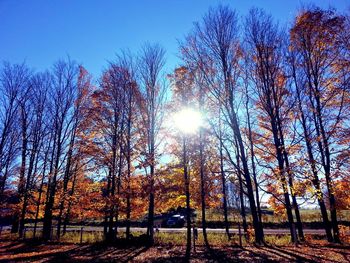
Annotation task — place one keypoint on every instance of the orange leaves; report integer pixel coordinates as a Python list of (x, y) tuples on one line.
[(341, 190)]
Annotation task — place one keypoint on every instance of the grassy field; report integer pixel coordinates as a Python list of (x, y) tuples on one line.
[(174, 238), (307, 215), (169, 247)]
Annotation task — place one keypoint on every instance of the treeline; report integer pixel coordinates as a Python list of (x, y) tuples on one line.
[(275, 102)]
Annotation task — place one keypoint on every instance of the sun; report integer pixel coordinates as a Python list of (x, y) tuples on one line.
[(188, 120)]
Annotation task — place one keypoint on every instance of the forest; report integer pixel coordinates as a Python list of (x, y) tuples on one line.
[(254, 119)]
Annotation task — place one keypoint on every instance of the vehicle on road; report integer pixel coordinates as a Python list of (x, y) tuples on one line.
[(176, 221)]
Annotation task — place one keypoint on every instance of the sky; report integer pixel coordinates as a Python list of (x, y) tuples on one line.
[(40, 32)]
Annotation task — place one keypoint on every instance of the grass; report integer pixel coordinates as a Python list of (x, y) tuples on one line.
[(173, 238), (161, 238), (168, 247), (307, 215)]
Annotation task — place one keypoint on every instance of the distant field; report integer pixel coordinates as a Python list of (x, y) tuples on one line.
[(307, 215)]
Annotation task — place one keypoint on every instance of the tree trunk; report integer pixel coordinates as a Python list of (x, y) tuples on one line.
[(203, 179), (52, 189), (223, 181), (259, 232), (187, 193), (128, 190), (16, 227), (290, 181), (315, 180), (67, 175), (281, 175), (241, 195), (71, 193), (252, 157)]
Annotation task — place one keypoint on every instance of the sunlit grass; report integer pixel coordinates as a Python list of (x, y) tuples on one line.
[(173, 238), (307, 215)]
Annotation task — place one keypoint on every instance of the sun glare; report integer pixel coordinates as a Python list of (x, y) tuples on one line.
[(188, 120)]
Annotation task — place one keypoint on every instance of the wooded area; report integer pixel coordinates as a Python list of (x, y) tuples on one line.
[(275, 108)]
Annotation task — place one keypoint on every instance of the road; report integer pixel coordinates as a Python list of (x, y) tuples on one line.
[(267, 231)]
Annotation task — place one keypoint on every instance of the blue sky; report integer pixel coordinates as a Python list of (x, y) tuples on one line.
[(92, 32)]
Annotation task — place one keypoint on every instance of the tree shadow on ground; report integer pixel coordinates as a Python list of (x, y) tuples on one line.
[(92, 253), (341, 249), (6, 245), (231, 254), (136, 251), (288, 254), (19, 246), (119, 251)]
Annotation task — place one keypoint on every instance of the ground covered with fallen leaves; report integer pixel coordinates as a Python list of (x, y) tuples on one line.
[(31, 251)]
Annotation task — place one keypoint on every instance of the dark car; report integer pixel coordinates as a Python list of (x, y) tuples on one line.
[(176, 221)]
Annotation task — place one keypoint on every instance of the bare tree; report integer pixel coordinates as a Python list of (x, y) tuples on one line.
[(14, 79), (33, 129), (15, 85), (152, 92), (214, 46), (265, 43), (315, 39), (62, 94), (80, 100), (131, 95)]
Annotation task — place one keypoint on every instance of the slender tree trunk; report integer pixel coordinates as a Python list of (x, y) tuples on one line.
[(111, 235), (117, 207), (187, 193), (241, 195), (151, 208), (203, 179), (128, 190), (290, 182), (111, 232), (294, 201), (152, 167), (325, 160), (327, 169), (22, 182), (259, 232), (243, 213), (202, 171), (40, 192), (7, 166), (32, 167), (223, 181), (4, 178), (315, 180), (26, 194), (66, 178), (252, 157), (69, 205), (52, 190), (323, 144), (285, 191), (108, 189)]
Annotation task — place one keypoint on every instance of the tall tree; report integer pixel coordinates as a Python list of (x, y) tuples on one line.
[(14, 79), (34, 126), (265, 42), (152, 92), (82, 92), (214, 47), (315, 37), (62, 97)]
